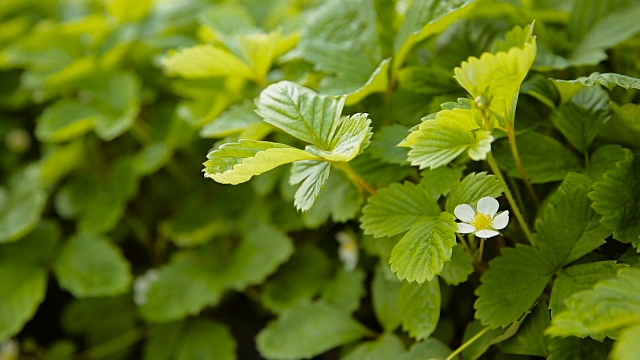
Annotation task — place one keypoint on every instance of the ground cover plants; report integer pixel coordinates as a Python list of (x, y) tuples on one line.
[(297, 179)]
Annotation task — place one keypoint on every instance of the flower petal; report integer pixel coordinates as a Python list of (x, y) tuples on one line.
[(465, 212), (488, 205), (464, 228), (486, 233), (500, 222)]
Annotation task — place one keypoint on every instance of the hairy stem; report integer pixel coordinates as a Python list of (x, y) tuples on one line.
[(512, 202), (354, 177), (468, 343)]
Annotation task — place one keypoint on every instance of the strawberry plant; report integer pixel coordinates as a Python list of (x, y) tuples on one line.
[(297, 179)]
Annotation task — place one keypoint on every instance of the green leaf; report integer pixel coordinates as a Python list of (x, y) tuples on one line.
[(616, 198), (377, 82), (384, 292), (61, 160), (424, 18), (387, 346), (578, 349), (238, 119), (423, 251), (204, 339), (512, 285), (397, 209), (162, 339), (384, 144), (315, 327), (574, 279), (567, 227), (483, 339), (65, 120), (312, 177), (21, 211), (341, 201), (263, 249), (438, 142), (544, 159), (624, 126), (204, 61), (431, 349), (581, 119), (612, 304), (472, 188), (608, 80), (530, 339), (345, 290), (298, 280), (260, 50), (441, 180), (497, 78), (315, 119), (237, 162), (604, 159), (627, 347), (459, 268), (419, 308), (90, 266), (432, 80)]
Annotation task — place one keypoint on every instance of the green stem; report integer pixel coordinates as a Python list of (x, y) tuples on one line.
[(512, 202), (468, 343), (114, 345), (516, 158), (353, 176), (481, 250)]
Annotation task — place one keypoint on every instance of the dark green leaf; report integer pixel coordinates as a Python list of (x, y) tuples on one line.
[(419, 306), (21, 211), (459, 268), (387, 346), (530, 339), (472, 188), (384, 289), (572, 348)]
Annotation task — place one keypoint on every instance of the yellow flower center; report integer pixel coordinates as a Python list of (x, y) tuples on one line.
[(482, 221)]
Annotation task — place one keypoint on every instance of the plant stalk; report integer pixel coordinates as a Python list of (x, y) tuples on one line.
[(354, 177), (468, 343), (516, 158)]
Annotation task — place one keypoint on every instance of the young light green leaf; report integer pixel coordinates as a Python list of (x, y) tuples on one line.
[(260, 50), (387, 346), (419, 308), (425, 18), (544, 159), (203, 61), (23, 207), (581, 119), (512, 285), (576, 278), (350, 138), (459, 268), (612, 304), (316, 328), (530, 339), (437, 142), (384, 292), (90, 266), (567, 227), (616, 198), (627, 346), (397, 209), (233, 121), (423, 251), (497, 78), (312, 176), (472, 188), (235, 163)]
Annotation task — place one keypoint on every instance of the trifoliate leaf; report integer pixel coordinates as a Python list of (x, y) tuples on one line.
[(459, 268), (530, 339), (424, 18), (21, 210), (496, 78), (431, 348), (441, 180), (345, 290), (472, 188), (611, 304), (423, 251), (298, 280), (235, 163), (616, 198), (574, 279), (90, 266), (397, 209), (544, 159), (312, 176), (384, 292), (203, 61), (581, 119), (387, 346), (437, 142), (627, 346), (384, 144), (573, 348), (419, 308), (567, 227), (315, 327), (512, 285)]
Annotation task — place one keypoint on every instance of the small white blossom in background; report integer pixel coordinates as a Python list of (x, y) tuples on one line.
[(348, 251), (484, 223), (9, 350), (142, 285)]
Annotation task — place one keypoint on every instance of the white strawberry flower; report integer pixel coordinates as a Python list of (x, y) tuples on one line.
[(484, 223)]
